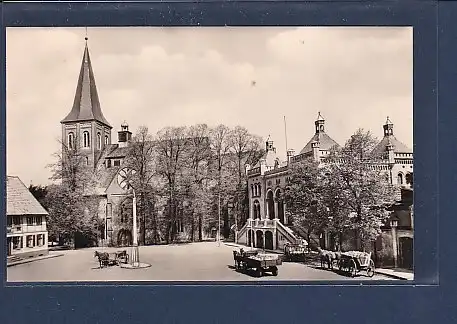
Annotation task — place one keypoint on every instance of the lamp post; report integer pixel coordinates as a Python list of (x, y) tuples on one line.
[(230, 208), (393, 226), (135, 257), (125, 182), (219, 219)]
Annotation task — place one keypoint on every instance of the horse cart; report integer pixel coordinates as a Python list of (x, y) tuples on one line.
[(108, 259), (259, 262), (354, 262), (294, 252)]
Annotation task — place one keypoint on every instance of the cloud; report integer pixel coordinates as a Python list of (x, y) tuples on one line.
[(182, 76)]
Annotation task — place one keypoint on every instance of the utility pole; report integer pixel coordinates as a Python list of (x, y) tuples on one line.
[(219, 222)]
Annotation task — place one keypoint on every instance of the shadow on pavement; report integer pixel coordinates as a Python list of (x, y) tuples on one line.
[(249, 272)]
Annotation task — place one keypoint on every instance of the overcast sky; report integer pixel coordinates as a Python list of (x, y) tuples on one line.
[(159, 77)]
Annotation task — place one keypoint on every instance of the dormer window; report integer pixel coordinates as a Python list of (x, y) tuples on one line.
[(108, 163), (276, 164), (86, 139), (71, 141)]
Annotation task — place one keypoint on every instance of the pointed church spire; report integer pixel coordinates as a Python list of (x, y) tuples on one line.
[(86, 105)]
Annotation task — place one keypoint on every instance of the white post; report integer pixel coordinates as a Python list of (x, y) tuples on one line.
[(219, 220), (135, 231), (106, 224), (236, 228), (252, 234), (394, 243), (135, 258), (276, 208)]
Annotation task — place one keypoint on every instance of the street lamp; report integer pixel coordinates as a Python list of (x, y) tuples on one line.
[(125, 182)]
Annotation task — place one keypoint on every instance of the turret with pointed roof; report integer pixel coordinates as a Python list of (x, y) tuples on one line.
[(325, 142), (85, 127), (390, 141)]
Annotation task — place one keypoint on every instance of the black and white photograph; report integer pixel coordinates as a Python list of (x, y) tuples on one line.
[(209, 154)]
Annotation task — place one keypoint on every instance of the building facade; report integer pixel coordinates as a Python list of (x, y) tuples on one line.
[(85, 128), (268, 226), (26, 232)]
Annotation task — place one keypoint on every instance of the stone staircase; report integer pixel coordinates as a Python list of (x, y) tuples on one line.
[(300, 232)]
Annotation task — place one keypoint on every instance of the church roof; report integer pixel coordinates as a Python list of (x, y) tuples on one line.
[(19, 199), (399, 147), (114, 151), (86, 105), (325, 143)]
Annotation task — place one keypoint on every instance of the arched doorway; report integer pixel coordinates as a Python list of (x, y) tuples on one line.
[(259, 242), (256, 209), (268, 240), (271, 205), (250, 235), (280, 203), (124, 237), (406, 252)]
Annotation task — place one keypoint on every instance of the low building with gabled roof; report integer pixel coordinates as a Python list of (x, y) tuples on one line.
[(27, 235)]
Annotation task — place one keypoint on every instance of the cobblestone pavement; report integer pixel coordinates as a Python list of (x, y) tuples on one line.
[(206, 261)]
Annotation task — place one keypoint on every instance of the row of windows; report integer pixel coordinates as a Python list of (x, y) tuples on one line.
[(31, 241), (256, 190), (86, 140), (110, 162), (30, 220), (407, 179)]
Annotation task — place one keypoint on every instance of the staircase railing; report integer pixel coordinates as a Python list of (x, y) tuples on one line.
[(242, 231), (287, 232)]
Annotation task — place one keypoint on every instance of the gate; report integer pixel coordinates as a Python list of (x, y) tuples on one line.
[(406, 252)]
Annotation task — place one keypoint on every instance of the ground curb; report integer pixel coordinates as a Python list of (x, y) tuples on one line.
[(393, 276), (33, 259)]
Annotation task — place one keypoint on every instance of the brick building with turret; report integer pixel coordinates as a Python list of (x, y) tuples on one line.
[(268, 226)]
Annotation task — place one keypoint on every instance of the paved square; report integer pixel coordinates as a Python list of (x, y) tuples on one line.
[(189, 262)]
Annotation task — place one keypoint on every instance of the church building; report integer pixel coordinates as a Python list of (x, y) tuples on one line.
[(86, 128)]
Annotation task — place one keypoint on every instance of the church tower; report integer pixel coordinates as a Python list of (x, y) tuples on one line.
[(85, 128)]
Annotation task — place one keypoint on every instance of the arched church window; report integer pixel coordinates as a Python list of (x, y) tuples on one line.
[(106, 140), (99, 139), (86, 139), (260, 190), (87, 160), (400, 178), (71, 141), (322, 128)]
